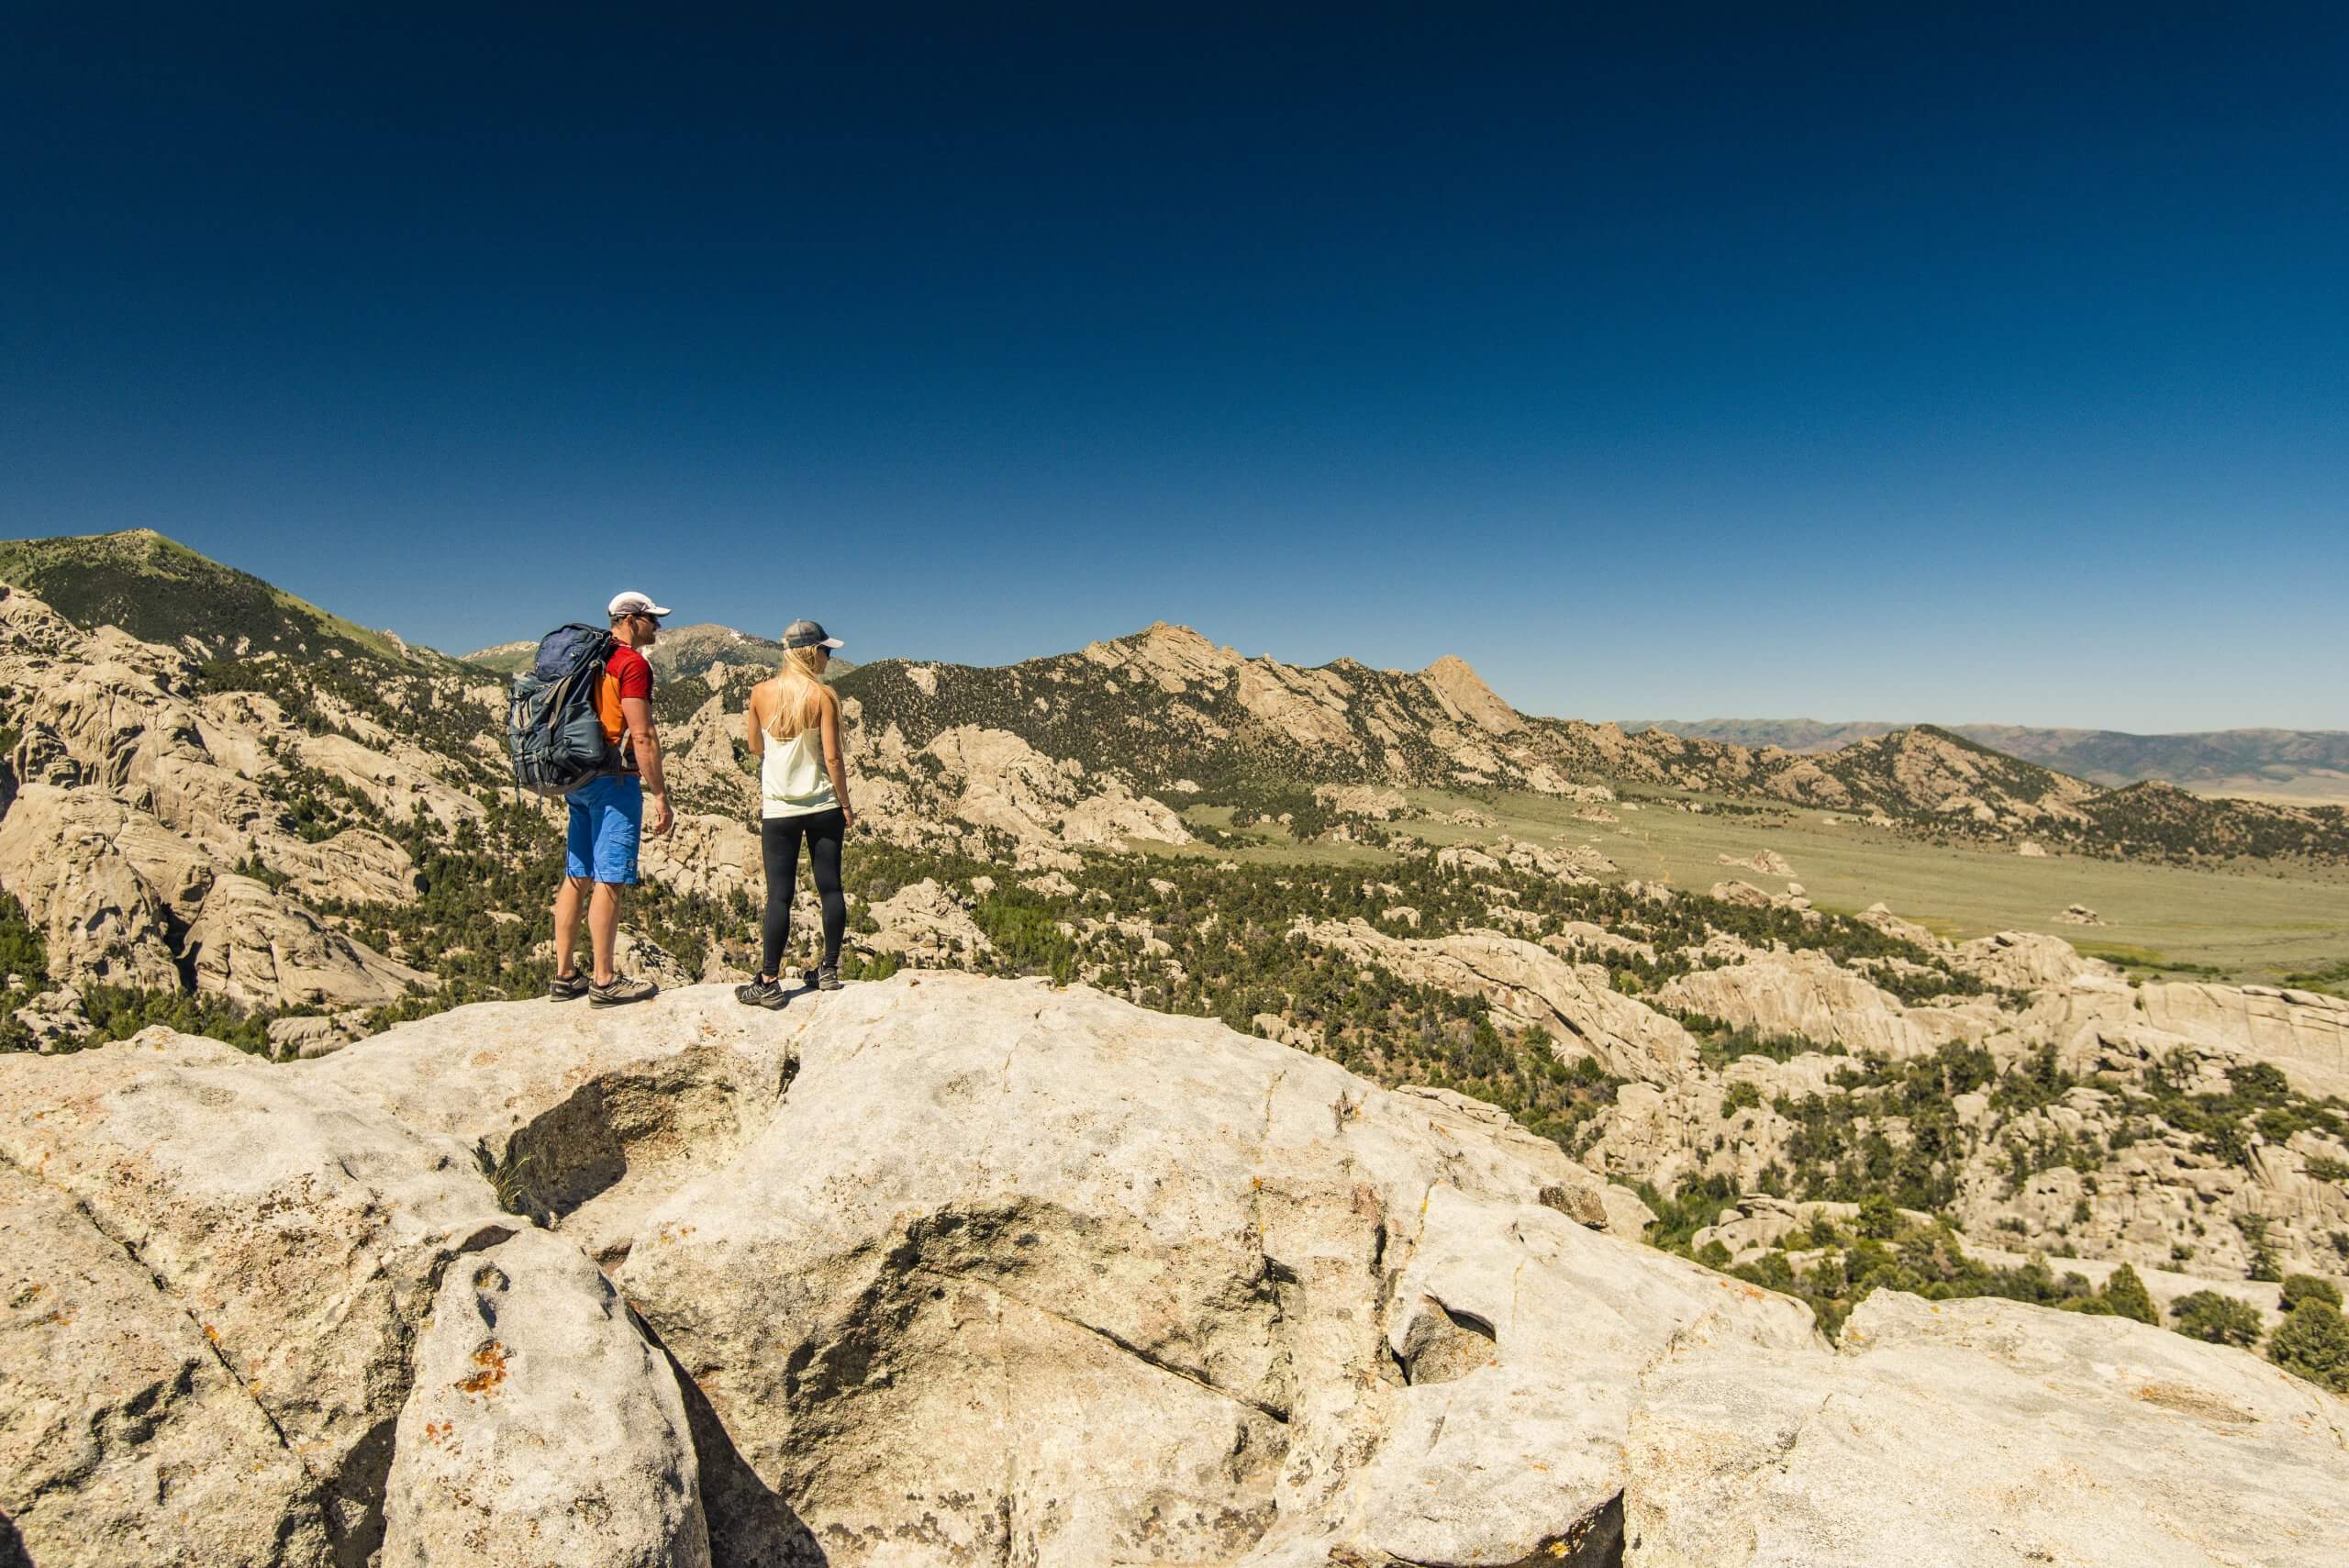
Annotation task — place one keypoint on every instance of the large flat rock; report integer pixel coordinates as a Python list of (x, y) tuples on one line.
[(1969, 1434), (1021, 1270)]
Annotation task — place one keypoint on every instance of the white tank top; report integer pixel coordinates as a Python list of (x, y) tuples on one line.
[(792, 780)]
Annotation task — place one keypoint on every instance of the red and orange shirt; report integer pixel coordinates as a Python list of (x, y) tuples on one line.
[(626, 673)]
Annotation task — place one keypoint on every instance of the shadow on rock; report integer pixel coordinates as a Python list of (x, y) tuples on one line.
[(750, 1526)]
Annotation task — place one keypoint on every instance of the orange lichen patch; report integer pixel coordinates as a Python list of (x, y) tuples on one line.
[(491, 1360), (2189, 1401), (438, 1431), (211, 1335)]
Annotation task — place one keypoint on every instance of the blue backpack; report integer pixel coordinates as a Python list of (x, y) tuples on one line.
[(551, 727)]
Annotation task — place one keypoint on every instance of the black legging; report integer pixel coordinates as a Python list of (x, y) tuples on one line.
[(779, 839)]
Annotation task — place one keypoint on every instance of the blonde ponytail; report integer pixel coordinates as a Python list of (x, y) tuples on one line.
[(800, 701)]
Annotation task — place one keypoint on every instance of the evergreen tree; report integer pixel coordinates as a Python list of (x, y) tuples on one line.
[(2221, 1319), (2309, 1288), (2128, 1296), (2313, 1343)]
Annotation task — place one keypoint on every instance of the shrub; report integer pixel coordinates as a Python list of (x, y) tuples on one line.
[(2313, 1342), (2221, 1319), (1879, 1217), (2309, 1288), (2127, 1295)]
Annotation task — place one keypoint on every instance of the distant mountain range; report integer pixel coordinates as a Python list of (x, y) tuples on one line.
[(1131, 731), (1167, 713), (2300, 764)]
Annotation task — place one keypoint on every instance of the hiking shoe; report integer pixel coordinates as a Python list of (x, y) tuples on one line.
[(621, 990), (567, 988), (827, 976), (767, 993)]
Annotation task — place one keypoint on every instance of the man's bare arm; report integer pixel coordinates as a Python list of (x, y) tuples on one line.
[(644, 744)]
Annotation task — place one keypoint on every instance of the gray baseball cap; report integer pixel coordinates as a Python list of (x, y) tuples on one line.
[(808, 634)]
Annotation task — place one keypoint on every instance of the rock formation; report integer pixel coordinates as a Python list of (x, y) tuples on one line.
[(945, 1270), (1980, 1432), (135, 797), (1530, 988)]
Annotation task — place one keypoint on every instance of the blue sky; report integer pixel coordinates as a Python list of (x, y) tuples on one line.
[(1834, 360)]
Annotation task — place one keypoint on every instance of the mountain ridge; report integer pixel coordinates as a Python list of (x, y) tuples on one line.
[(1168, 711), (2251, 761)]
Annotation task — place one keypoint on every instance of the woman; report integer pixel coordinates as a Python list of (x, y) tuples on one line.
[(793, 726)]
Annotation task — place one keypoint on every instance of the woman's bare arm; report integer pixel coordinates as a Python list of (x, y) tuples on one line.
[(754, 734), (835, 754)]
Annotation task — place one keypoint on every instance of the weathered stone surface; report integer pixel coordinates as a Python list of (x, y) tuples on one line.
[(2305, 1033), (1769, 862), (1983, 1432), (959, 1269), (301, 1229), (586, 1117), (924, 922), (542, 1429), (1019, 1270), (1803, 994), (2024, 961), (1529, 987), (258, 950), (124, 1436), (1007, 785), (96, 880), (716, 856), (1464, 693)]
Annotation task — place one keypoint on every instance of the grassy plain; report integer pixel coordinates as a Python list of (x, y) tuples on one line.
[(2249, 923)]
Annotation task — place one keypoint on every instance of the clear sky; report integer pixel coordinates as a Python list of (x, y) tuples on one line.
[(1969, 363)]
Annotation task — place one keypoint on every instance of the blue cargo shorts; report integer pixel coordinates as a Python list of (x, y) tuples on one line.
[(605, 817)]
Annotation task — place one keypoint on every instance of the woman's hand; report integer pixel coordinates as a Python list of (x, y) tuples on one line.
[(848, 819)]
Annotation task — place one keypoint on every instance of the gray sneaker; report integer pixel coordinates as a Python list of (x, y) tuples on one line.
[(621, 990), (767, 993), (827, 976), (566, 987)]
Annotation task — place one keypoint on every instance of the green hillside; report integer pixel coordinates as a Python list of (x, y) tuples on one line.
[(161, 591)]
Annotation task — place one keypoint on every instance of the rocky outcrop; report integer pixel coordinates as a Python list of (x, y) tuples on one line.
[(542, 1429), (962, 1271), (124, 1435), (1806, 995), (138, 795), (256, 949), (99, 882), (1528, 988), (2306, 1033), (2024, 961), (925, 923), (1982, 1433), (1464, 694), (1037, 1274), (708, 854), (1379, 805), (1768, 862), (301, 1231), (1007, 785)]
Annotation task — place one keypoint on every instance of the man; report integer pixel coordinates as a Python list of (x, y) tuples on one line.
[(608, 814)]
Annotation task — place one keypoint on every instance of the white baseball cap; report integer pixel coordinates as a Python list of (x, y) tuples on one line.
[(634, 604)]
